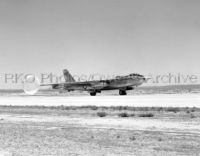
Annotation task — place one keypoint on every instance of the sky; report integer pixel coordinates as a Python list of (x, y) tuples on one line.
[(100, 36)]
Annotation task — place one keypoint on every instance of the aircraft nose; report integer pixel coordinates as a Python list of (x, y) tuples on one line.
[(142, 79), (146, 79)]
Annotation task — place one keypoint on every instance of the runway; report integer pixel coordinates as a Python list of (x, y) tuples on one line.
[(153, 100)]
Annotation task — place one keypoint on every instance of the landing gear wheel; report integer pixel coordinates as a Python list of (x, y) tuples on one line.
[(93, 93), (122, 92)]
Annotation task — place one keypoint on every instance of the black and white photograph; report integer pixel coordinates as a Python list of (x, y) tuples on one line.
[(99, 78)]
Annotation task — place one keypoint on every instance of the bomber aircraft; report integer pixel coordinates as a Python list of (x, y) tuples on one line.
[(121, 83)]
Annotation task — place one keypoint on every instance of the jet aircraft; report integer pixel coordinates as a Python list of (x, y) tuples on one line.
[(121, 83)]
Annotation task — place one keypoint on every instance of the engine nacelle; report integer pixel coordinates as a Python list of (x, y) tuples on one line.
[(55, 86), (129, 88)]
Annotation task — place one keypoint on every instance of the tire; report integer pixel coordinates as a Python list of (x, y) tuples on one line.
[(93, 93), (122, 92)]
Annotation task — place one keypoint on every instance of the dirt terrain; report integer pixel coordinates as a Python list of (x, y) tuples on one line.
[(94, 131)]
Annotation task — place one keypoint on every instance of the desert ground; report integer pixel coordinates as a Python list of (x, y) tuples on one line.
[(149, 100), (92, 130), (53, 124)]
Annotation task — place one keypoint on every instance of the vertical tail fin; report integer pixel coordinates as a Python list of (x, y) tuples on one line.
[(68, 77)]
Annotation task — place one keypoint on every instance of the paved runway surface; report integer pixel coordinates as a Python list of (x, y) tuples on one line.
[(162, 100)]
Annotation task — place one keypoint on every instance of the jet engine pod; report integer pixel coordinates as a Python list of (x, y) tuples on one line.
[(31, 84)]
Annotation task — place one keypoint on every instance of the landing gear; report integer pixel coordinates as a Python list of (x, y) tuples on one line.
[(93, 93), (122, 92)]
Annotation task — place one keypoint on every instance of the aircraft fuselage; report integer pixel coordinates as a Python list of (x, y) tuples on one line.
[(122, 83)]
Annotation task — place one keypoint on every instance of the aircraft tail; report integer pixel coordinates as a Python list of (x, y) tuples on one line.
[(68, 77)]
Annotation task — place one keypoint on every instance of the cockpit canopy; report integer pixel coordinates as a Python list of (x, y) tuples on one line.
[(136, 74), (133, 75)]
